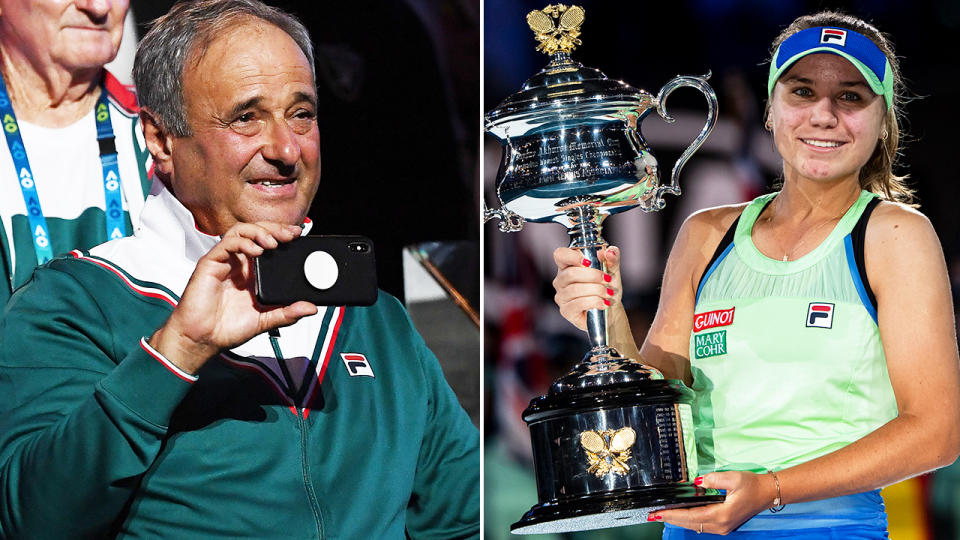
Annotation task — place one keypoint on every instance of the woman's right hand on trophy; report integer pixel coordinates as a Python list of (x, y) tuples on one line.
[(581, 287)]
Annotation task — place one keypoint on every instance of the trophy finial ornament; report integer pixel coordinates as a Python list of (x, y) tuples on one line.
[(560, 36)]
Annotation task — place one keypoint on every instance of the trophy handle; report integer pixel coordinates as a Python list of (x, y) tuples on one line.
[(509, 221), (699, 83)]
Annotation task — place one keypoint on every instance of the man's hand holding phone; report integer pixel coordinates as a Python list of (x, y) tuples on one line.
[(218, 309)]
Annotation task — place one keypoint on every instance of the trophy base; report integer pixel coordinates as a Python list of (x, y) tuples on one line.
[(620, 509), (611, 444)]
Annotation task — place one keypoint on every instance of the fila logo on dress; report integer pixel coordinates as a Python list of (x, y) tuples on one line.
[(820, 315), (834, 36), (357, 364)]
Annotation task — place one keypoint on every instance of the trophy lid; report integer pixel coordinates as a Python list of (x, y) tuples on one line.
[(564, 89)]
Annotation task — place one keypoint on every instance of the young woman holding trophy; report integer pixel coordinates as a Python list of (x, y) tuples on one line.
[(814, 324)]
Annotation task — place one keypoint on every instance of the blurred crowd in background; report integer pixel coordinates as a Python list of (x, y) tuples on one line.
[(527, 344)]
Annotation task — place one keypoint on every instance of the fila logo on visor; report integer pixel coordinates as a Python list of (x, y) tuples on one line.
[(820, 315), (357, 364), (833, 36)]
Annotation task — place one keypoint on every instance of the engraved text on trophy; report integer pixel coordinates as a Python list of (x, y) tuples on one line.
[(545, 168)]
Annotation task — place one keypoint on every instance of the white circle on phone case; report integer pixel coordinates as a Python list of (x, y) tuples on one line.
[(320, 269)]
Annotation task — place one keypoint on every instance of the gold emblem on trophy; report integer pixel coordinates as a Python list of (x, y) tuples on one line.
[(556, 37), (608, 450)]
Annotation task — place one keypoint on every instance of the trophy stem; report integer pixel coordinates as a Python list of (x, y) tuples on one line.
[(585, 235), (602, 365)]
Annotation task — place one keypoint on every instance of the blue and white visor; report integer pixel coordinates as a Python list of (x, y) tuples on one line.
[(857, 48)]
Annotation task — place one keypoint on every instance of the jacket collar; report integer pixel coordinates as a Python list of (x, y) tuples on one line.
[(166, 219)]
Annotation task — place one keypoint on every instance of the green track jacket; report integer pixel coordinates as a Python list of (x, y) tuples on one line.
[(100, 437)]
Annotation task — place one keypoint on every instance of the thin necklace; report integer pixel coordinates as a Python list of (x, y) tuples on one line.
[(803, 238)]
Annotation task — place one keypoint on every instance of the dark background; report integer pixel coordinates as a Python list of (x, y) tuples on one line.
[(645, 44)]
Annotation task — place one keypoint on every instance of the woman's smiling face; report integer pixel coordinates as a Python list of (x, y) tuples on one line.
[(826, 120)]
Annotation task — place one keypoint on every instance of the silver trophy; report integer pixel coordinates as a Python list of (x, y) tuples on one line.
[(612, 439)]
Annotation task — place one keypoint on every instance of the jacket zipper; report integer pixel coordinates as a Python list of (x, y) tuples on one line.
[(302, 424), (314, 504)]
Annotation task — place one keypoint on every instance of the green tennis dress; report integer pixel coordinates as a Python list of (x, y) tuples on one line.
[(788, 366), (792, 349)]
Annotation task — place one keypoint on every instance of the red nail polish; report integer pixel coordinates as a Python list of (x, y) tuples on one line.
[(585, 262), (608, 278), (605, 301), (610, 292), (652, 518), (698, 480)]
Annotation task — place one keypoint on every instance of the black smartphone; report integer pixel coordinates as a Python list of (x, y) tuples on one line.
[(325, 270)]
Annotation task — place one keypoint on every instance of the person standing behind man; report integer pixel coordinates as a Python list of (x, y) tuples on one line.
[(144, 393), (73, 166)]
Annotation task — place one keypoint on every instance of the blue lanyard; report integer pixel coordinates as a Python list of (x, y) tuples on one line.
[(116, 228), (115, 225)]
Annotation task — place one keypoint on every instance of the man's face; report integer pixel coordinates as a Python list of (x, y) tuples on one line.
[(254, 152), (74, 34)]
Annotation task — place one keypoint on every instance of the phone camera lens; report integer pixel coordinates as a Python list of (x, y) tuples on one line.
[(358, 247)]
